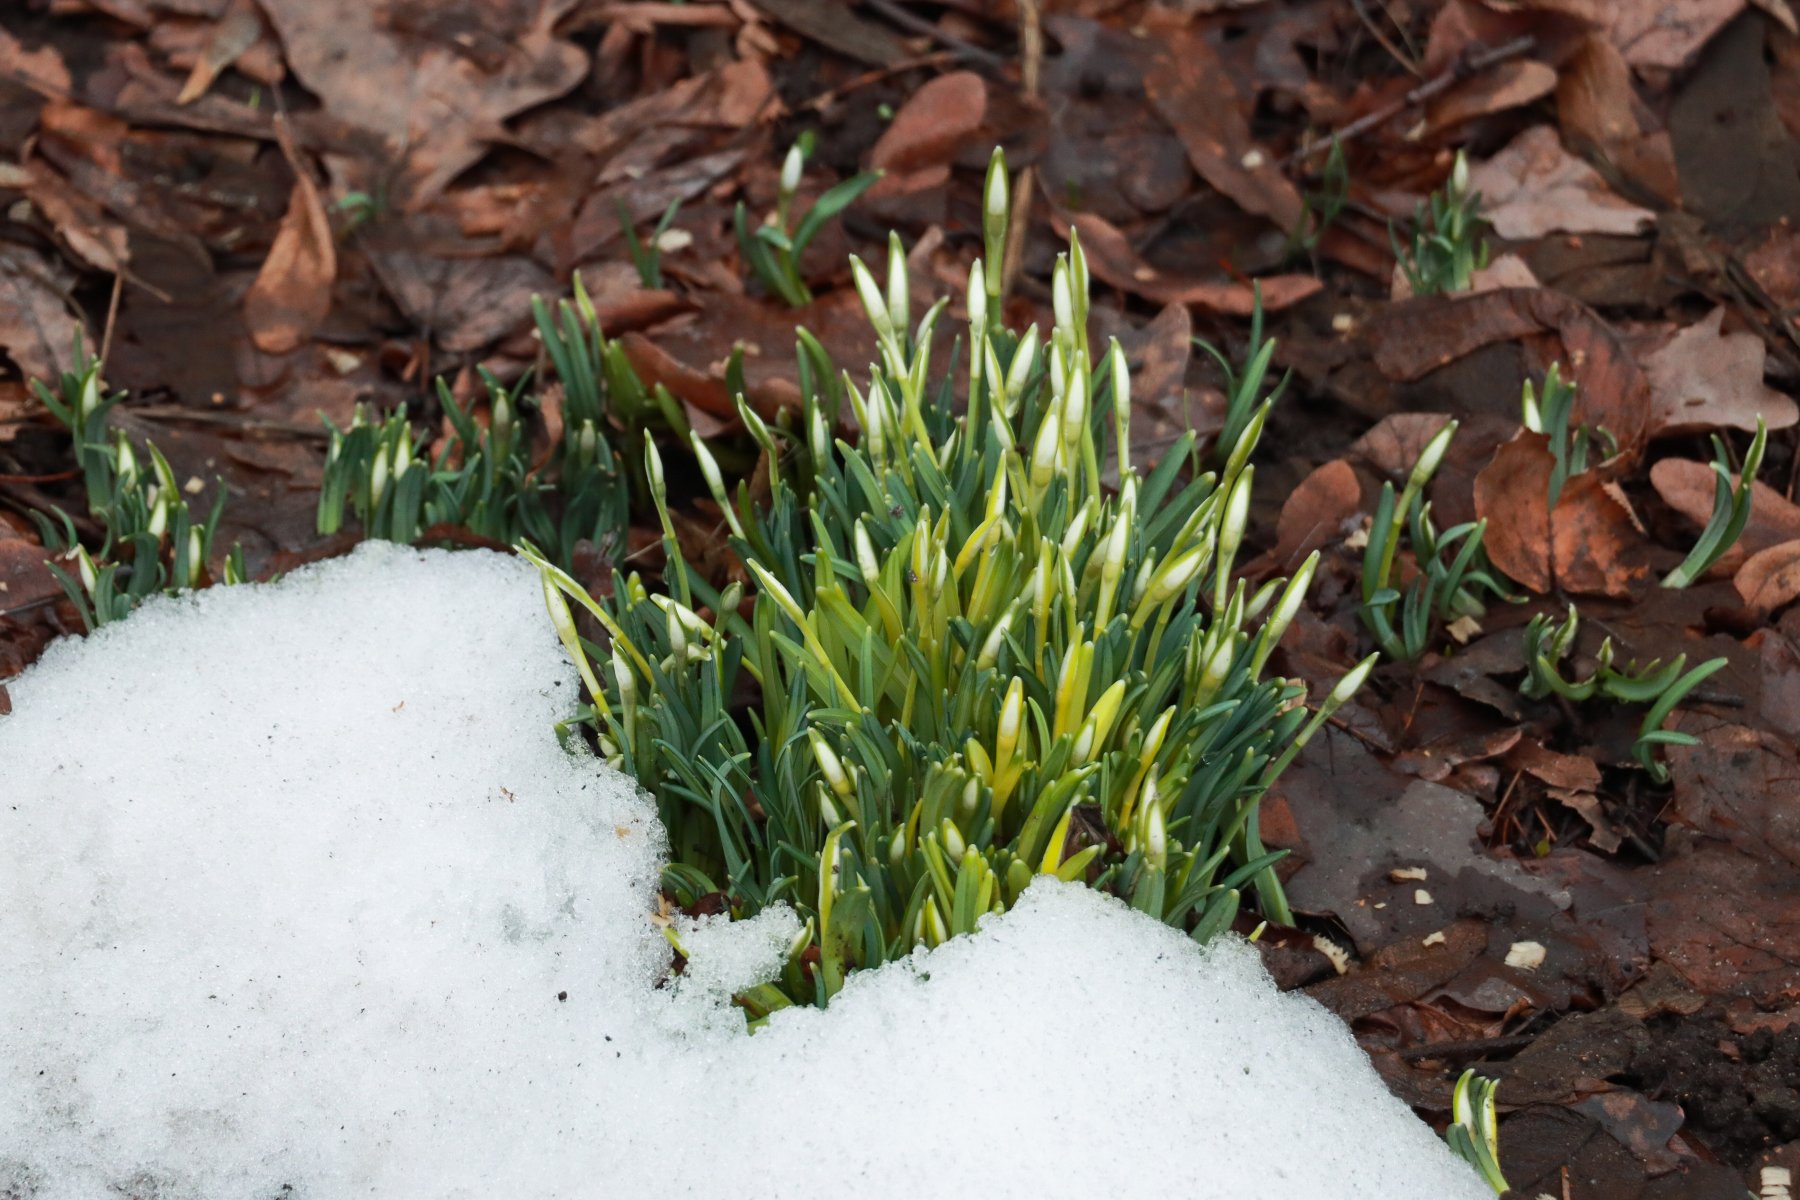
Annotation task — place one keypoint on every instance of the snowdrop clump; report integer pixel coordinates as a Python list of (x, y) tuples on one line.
[(301, 897)]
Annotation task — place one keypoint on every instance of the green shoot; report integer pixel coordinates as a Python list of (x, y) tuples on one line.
[(646, 254), (1474, 1133), (774, 248), (1731, 509), (1322, 206), (1651, 734), (1447, 246), (1244, 401)]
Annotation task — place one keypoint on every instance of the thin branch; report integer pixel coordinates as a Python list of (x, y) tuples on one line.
[(1463, 68)]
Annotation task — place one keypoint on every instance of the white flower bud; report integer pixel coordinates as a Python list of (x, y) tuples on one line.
[(866, 561), (873, 302), (1018, 374), (995, 194), (990, 649), (899, 302), (1352, 681), (1432, 456), (791, 167), (977, 303), (1062, 295), (1121, 380), (830, 765), (1062, 298), (1043, 451), (1075, 410), (954, 845)]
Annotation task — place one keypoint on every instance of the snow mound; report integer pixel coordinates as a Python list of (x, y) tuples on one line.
[(299, 897)]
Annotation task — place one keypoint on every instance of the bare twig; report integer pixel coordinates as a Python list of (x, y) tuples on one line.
[(1463, 68), (1031, 46), (824, 100), (112, 317), (898, 15), (1394, 52)]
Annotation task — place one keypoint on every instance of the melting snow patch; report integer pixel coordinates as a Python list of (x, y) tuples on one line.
[(299, 897)]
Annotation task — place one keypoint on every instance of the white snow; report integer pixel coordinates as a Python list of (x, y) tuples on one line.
[(299, 897)]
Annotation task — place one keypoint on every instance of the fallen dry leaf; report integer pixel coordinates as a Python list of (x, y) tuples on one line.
[(1394, 444), (1688, 487), (37, 330), (1315, 513), (1705, 378), (1738, 784), (41, 69), (1194, 93), (24, 579), (1112, 260), (1589, 545), (1770, 579), (292, 291), (463, 303), (1534, 187), (434, 103), (1509, 85), (933, 124), (1724, 917), (1600, 114), (1667, 33), (240, 30)]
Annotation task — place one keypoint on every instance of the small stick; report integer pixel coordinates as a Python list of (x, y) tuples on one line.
[(1469, 1048), (913, 21), (1031, 46), (1462, 69), (112, 316)]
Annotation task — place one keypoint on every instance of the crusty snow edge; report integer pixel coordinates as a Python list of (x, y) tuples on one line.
[(297, 889)]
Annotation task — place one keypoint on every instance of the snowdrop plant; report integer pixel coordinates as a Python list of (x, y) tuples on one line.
[(972, 662), (1449, 577), (1552, 416), (1658, 684), (484, 479), (153, 542), (773, 249), (1447, 247)]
